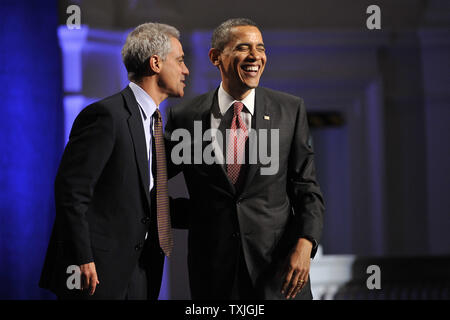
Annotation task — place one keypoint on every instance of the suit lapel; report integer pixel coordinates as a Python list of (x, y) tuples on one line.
[(263, 120), (214, 171), (138, 136)]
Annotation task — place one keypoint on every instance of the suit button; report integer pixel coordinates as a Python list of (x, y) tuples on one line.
[(236, 235), (145, 220), (138, 247)]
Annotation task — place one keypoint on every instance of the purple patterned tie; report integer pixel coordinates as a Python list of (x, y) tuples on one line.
[(162, 193)]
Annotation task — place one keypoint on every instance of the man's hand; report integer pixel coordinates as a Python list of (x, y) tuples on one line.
[(296, 269), (89, 278)]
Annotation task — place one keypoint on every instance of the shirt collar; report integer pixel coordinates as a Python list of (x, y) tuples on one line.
[(226, 101), (146, 103)]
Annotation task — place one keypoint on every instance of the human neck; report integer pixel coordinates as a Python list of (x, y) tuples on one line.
[(150, 85), (237, 93)]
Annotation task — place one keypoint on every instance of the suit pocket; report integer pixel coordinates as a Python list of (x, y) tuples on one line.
[(101, 242)]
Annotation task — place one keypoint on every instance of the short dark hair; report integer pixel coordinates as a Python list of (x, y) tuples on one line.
[(221, 35)]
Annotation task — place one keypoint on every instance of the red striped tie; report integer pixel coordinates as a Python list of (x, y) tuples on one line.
[(162, 193), (236, 143)]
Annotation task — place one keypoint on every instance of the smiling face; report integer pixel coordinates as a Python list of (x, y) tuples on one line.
[(242, 61), (173, 71)]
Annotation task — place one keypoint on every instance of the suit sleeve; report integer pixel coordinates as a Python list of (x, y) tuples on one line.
[(90, 145), (303, 189), (180, 208), (180, 211), (172, 169)]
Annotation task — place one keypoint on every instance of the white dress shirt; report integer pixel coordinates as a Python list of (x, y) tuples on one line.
[(225, 102)]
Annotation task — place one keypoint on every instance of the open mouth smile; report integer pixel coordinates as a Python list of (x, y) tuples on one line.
[(250, 70)]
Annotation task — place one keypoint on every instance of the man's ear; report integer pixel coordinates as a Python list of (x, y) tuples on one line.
[(155, 63), (214, 56)]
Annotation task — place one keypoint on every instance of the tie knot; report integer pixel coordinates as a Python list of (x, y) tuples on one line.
[(238, 106), (157, 114)]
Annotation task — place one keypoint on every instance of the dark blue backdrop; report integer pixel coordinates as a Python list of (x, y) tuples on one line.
[(410, 220), (31, 141)]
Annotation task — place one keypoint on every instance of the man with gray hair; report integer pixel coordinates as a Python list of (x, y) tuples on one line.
[(112, 227)]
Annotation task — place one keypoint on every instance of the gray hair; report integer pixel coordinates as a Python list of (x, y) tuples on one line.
[(146, 40), (221, 35)]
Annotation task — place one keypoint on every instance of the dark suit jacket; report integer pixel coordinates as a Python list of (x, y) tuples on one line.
[(270, 213), (102, 201)]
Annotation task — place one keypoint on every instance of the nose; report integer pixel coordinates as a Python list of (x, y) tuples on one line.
[(185, 70), (254, 54)]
